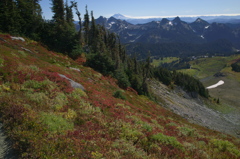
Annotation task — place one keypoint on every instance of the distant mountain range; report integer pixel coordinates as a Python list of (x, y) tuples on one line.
[(168, 31), (190, 19), (175, 36)]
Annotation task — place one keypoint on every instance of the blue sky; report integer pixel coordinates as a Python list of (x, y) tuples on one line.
[(152, 8)]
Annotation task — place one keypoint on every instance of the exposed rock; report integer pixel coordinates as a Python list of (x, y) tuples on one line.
[(27, 50), (76, 69), (73, 83), (17, 38)]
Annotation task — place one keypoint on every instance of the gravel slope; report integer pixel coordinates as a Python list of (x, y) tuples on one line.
[(195, 110)]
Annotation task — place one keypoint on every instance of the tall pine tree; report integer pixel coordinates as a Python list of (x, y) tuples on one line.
[(86, 26)]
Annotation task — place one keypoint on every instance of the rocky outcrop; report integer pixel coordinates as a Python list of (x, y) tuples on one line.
[(73, 83)]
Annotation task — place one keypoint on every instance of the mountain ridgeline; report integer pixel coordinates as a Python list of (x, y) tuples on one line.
[(175, 37)]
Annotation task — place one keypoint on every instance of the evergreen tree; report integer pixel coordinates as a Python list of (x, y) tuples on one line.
[(93, 36), (31, 18), (9, 17), (69, 13), (58, 11), (20, 17), (74, 5), (86, 26)]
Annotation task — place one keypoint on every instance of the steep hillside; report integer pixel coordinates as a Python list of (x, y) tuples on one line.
[(54, 107)]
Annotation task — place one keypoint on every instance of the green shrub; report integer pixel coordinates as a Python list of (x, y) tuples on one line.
[(167, 140), (59, 101), (1, 62), (147, 127), (22, 53), (56, 123), (171, 124), (122, 78), (129, 133), (118, 94), (38, 97), (76, 52), (77, 93), (34, 68), (224, 145), (46, 84), (186, 131)]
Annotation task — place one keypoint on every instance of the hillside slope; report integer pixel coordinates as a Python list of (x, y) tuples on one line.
[(210, 71), (52, 107)]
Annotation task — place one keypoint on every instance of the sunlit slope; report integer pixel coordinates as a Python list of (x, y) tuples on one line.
[(211, 70), (49, 117)]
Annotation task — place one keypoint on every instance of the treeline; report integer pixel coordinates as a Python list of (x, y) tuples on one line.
[(21, 17), (103, 49), (187, 82), (236, 66)]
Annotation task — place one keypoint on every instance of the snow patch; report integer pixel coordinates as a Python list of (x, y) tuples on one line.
[(129, 34), (221, 82), (202, 36), (170, 23), (207, 26), (198, 20)]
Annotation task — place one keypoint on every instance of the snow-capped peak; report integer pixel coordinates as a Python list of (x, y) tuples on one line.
[(119, 16)]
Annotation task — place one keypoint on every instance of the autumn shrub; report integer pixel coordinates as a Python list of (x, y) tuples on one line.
[(13, 114), (127, 149)]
